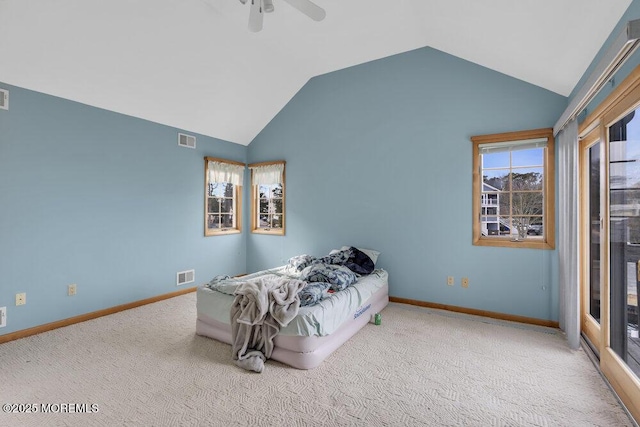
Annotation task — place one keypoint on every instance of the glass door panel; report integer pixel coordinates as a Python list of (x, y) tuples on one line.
[(591, 230), (624, 238), (594, 231)]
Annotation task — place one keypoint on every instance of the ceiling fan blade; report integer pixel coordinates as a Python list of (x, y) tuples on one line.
[(310, 9), (255, 16)]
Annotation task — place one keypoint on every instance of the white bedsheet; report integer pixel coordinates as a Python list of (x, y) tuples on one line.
[(320, 319)]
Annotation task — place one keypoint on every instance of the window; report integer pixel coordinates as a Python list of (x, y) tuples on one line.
[(513, 189), (223, 194), (267, 198)]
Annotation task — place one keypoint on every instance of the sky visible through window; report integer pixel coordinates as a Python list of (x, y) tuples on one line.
[(530, 157)]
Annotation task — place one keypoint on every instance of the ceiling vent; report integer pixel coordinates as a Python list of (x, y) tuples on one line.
[(184, 277), (4, 99), (188, 141)]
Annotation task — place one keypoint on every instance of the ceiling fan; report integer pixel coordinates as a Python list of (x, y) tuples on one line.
[(260, 7)]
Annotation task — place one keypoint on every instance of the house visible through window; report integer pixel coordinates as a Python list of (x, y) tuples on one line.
[(268, 198), (513, 189), (223, 184)]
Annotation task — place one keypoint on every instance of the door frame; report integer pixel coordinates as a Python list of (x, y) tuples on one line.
[(590, 327)]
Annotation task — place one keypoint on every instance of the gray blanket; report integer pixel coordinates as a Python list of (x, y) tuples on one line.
[(260, 308)]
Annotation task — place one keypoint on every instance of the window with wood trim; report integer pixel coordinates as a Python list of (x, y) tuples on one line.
[(268, 197), (223, 195), (513, 189)]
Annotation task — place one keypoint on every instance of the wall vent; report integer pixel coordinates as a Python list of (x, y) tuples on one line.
[(188, 141), (4, 99), (184, 277)]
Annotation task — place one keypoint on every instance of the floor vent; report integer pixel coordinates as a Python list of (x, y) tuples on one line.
[(188, 141), (4, 99), (184, 277)]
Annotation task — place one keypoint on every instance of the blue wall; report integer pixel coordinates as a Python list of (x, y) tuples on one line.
[(103, 200), (378, 156)]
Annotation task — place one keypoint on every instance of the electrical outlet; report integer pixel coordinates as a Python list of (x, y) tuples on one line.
[(450, 280), (71, 289), (21, 299), (3, 317), (465, 282)]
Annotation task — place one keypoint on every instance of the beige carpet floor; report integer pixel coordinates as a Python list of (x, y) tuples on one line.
[(146, 367)]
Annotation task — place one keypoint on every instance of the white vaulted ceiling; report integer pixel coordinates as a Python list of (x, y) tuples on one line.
[(193, 64)]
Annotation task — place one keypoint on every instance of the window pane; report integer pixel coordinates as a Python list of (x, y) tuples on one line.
[(527, 204), (226, 206), (276, 190), (490, 199), (594, 231), (277, 205), (213, 221), (527, 179), (535, 226), (633, 230), (213, 205), (490, 226), (265, 191), (226, 220), (495, 160), (625, 174), (263, 221), (229, 190), (276, 221), (530, 157), (625, 203), (504, 206), (264, 206), (626, 150), (218, 189), (496, 180), (504, 222)]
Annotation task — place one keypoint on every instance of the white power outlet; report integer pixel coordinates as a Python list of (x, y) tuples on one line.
[(450, 280), (21, 299), (3, 317), (71, 289)]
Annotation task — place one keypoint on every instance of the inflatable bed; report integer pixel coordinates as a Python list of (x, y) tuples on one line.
[(298, 313)]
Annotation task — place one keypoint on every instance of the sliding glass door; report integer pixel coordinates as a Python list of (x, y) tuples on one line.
[(624, 237), (610, 236), (591, 250)]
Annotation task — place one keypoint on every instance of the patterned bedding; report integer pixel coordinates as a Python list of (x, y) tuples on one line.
[(323, 276)]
